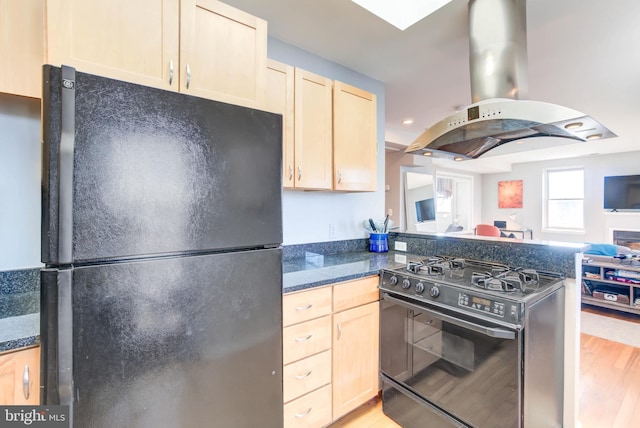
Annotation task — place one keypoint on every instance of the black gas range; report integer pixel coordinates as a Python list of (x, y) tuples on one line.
[(492, 290), (467, 343)]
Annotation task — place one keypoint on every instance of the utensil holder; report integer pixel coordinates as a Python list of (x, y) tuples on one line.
[(378, 242)]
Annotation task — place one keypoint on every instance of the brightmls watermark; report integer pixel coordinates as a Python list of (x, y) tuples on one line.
[(34, 416)]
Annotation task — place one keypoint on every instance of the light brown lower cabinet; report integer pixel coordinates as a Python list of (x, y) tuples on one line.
[(20, 377), (355, 357), (324, 328)]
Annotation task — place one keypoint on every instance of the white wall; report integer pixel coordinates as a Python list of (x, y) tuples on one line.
[(597, 220), (307, 216), (20, 165)]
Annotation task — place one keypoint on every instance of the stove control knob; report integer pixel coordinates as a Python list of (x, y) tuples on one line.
[(406, 284), (419, 288), (393, 280), (435, 291)]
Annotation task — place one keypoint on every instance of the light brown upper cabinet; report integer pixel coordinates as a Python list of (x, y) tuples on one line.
[(280, 100), (223, 53), (354, 138), (22, 46), (334, 143), (313, 131), (201, 47)]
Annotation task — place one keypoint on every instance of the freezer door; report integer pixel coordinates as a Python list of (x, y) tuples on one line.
[(130, 170), (179, 342)]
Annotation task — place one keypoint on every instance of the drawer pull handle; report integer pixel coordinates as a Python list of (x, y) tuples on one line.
[(303, 414), (303, 339), (304, 375), (304, 308), (25, 382), (339, 331)]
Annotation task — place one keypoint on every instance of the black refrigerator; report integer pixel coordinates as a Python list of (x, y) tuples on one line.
[(161, 239)]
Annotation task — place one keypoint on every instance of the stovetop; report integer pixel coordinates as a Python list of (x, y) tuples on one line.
[(493, 289), (482, 275)]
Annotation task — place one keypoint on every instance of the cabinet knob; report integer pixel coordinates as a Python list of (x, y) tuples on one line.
[(299, 172), (339, 177), (170, 72), (188, 76), (339, 331), (290, 172), (25, 382)]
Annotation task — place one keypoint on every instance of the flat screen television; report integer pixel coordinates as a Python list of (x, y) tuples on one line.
[(426, 210), (622, 192)]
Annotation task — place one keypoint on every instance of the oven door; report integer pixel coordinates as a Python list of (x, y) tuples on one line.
[(462, 365)]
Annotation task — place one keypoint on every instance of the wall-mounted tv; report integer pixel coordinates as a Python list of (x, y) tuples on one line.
[(622, 192), (426, 210)]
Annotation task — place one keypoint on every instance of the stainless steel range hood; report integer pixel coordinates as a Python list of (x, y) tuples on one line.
[(498, 63)]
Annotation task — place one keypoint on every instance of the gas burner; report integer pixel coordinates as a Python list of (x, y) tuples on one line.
[(506, 279), (436, 265)]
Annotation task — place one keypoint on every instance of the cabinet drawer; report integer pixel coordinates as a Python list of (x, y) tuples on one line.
[(309, 411), (355, 293), (307, 305), (306, 375), (308, 338)]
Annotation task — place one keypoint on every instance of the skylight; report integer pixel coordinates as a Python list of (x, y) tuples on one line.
[(401, 13)]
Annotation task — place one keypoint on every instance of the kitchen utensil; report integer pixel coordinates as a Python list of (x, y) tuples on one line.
[(373, 225), (386, 223)]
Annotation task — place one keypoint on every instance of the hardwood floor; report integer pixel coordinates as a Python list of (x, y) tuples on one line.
[(609, 391), (369, 415)]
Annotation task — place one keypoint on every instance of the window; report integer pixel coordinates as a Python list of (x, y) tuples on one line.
[(565, 199)]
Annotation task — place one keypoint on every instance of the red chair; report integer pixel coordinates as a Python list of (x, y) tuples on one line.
[(487, 230)]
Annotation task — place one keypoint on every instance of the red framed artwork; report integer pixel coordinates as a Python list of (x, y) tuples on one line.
[(510, 194)]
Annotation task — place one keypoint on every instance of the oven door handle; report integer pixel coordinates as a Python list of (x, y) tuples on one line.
[(487, 331)]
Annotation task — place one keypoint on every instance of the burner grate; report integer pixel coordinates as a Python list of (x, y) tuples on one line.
[(437, 265), (507, 280)]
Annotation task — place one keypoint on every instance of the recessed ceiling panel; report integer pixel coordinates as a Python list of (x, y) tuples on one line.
[(401, 13)]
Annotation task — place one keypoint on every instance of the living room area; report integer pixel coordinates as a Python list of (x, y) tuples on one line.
[(610, 330)]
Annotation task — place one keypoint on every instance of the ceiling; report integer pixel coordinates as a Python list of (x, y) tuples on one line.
[(582, 54)]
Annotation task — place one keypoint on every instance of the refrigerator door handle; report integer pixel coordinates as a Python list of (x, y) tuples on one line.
[(65, 165), (65, 338)]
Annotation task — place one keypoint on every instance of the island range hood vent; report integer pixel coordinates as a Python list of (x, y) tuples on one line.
[(498, 65)]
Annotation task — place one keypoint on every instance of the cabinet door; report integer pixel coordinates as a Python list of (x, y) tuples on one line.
[(279, 99), (20, 377), (313, 131), (354, 139), (22, 45), (223, 53), (136, 41), (355, 380)]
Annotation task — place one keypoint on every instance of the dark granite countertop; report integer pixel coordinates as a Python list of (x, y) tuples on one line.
[(307, 266), (19, 308), (314, 269), (19, 331)]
